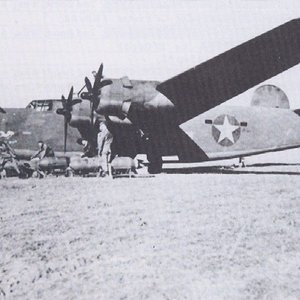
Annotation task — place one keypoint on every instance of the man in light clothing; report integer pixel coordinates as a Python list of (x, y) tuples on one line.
[(104, 141)]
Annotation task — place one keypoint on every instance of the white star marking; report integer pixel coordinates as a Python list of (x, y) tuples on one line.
[(226, 130)]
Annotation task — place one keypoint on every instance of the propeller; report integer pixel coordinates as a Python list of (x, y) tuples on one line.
[(2, 110), (94, 92), (66, 111)]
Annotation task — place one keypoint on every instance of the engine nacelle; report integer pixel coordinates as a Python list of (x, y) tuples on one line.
[(77, 121), (113, 107), (80, 116), (152, 112)]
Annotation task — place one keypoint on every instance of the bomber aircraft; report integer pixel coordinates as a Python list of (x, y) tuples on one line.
[(181, 116)]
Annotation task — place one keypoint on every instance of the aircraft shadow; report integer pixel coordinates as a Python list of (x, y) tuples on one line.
[(272, 164), (260, 168)]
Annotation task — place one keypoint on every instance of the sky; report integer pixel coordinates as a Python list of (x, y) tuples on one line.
[(48, 46)]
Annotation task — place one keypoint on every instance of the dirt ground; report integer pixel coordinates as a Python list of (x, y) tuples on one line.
[(196, 236)]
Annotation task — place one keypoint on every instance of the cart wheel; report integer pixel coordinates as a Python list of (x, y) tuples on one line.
[(69, 172), (3, 174)]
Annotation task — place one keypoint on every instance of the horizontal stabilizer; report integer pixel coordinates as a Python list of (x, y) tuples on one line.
[(297, 111), (233, 72)]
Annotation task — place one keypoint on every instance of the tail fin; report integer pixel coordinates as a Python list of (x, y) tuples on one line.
[(270, 96)]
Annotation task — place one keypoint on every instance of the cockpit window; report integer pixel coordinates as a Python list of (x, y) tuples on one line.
[(40, 105)]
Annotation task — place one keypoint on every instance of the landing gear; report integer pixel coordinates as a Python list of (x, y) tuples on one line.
[(155, 164), (242, 162), (69, 172), (3, 174), (154, 156)]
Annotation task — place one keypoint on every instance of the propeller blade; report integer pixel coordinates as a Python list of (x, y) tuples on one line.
[(98, 78), (92, 113), (2, 110), (61, 111), (65, 134), (95, 103), (70, 97), (64, 102), (88, 84)]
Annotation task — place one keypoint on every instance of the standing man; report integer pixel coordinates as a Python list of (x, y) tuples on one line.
[(104, 141)]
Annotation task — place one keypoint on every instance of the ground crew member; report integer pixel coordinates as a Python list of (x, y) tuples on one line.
[(7, 154), (44, 151), (104, 141), (87, 148)]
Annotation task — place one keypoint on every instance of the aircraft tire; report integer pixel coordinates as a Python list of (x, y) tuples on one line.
[(69, 172), (155, 165), (3, 174)]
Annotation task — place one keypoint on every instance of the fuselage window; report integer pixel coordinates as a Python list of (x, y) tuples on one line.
[(208, 121), (244, 124)]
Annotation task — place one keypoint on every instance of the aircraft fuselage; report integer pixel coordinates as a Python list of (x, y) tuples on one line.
[(220, 133)]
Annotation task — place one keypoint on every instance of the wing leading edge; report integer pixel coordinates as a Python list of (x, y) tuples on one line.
[(234, 71)]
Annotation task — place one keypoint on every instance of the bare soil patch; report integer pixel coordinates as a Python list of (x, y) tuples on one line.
[(197, 236)]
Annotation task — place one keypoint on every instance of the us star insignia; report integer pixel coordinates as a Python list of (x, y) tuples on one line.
[(226, 130)]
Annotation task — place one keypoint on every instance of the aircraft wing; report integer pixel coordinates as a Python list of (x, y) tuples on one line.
[(234, 71)]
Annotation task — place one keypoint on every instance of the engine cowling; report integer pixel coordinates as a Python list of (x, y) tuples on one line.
[(81, 115), (77, 121), (113, 107)]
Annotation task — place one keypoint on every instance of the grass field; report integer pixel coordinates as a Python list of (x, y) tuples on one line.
[(196, 236)]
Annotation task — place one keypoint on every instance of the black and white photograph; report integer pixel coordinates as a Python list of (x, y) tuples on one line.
[(150, 149)]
